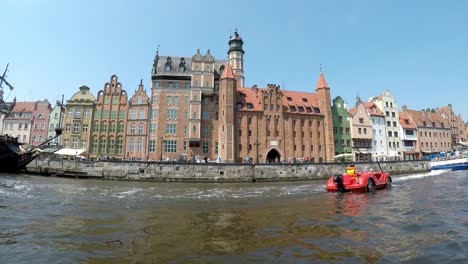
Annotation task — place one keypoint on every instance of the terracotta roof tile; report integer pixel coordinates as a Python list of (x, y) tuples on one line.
[(372, 109), (322, 83), (426, 119), (24, 107), (227, 73), (303, 103), (406, 121)]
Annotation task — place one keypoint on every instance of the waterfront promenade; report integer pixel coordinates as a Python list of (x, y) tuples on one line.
[(207, 172)]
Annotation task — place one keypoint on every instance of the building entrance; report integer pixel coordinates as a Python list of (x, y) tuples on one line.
[(273, 156)]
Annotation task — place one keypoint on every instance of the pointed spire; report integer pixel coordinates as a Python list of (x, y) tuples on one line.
[(322, 83), (227, 73)]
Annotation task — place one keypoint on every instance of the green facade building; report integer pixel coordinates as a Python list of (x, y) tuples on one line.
[(341, 130)]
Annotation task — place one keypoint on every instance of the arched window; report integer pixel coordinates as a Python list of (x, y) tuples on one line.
[(132, 130), (133, 115), (142, 114), (182, 65), (168, 66)]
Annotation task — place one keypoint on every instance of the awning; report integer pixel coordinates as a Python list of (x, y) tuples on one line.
[(70, 152), (343, 155)]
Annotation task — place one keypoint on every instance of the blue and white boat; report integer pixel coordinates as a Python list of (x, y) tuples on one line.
[(449, 164)]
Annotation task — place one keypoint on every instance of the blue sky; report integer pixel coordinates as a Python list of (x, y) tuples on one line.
[(416, 49)]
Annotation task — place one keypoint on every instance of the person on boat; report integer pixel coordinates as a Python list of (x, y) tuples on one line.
[(351, 171)]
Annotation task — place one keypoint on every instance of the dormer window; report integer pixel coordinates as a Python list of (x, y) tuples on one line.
[(301, 109), (239, 106), (292, 108), (433, 124), (424, 123), (249, 106), (316, 110), (168, 66), (304, 100), (208, 68), (407, 121), (242, 95), (309, 110), (289, 98), (181, 68)]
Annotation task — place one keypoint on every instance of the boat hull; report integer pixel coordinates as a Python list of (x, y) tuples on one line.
[(366, 182), (455, 164)]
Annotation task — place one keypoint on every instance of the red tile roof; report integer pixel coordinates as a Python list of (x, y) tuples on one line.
[(251, 101), (372, 109), (322, 83), (227, 73), (406, 121), (24, 107), (421, 117)]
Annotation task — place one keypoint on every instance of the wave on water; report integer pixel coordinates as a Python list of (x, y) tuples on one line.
[(419, 175)]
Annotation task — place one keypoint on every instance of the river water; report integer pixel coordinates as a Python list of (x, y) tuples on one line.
[(423, 218)]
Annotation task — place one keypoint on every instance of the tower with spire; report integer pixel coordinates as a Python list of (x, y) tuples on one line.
[(236, 57), (324, 101)]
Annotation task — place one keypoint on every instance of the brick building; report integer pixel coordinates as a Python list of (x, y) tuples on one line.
[(455, 122), (136, 147), (200, 107), (108, 133), (39, 128), (434, 135)]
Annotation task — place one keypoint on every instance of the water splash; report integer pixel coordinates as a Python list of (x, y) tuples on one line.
[(419, 175)]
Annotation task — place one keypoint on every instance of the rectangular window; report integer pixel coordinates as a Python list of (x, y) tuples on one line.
[(132, 130), (206, 115), (104, 127), (152, 128), (393, 114), (153, 113), (395, 134), (70, 112), (121, 128), (85, 128), (95, 145), (97, 114), (120, 146), (68, 127), (170, 145), (205, 147), (102, 146), (112, 128), (185, 145), (76, 127), (176, 100), (122, 114), (140, 130), (111, 146), (359, 130), (114, 114), (152, 146), (75, 143), (105, 113), (171, 114), (86, 113), (142, 114), (131, 146), (206, 131), (139, 146), (78, 113), (394, 123), (115, 101), (83, 143), (361, 120), (389, 133), (171, 128), (106, 101), (186, 99), (169, 100)]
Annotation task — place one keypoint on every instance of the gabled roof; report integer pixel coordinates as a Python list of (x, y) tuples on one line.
[(421, 117), (227, 73), (406, 121), (372, 109), (22, 107), (290, 99)]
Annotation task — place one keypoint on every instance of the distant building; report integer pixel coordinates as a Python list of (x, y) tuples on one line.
[(137, 125), (19, 122), (434, 135), (361, 132), (341, 130), (409, 136), (387, 104), (455, 122), (109, 121), (39, 128), (77, 121), (200, 108), (56, 117), (379, 132)]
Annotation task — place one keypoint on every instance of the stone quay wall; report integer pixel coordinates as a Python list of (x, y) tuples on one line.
[(208, 172)]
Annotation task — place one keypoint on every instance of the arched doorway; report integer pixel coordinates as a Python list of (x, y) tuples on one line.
[(273, 156)]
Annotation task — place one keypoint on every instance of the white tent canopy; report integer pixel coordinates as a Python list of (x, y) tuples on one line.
[(70, 152)]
